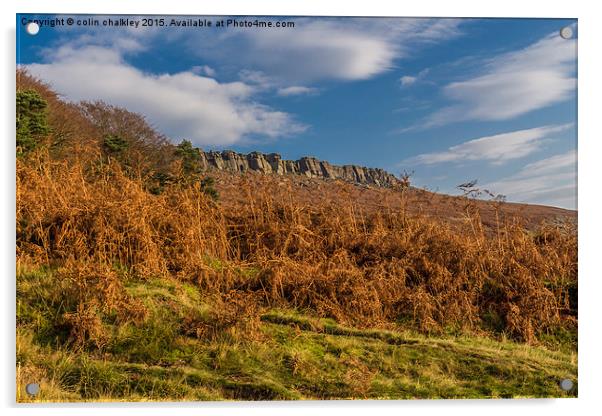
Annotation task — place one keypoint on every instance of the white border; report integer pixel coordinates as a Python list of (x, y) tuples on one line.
[(589, 191)]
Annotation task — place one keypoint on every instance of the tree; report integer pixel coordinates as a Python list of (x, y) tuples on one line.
[(208, 188), (32, 123), (191, 157), (115, 144), (191, 168), (129, 137)]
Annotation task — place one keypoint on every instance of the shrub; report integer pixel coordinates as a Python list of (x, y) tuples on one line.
[(208, 188), (327, 255)]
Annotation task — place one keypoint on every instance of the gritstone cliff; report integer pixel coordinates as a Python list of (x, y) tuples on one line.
[(310, 167)]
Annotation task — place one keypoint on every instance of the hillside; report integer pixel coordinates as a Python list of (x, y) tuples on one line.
[(144, 275), (309, 179), (372, 198)]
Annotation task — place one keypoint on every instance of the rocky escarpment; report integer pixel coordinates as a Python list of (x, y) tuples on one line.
[(310, 167)]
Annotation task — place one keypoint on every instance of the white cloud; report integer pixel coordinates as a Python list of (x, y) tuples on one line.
[(193, 104), (407, 80), (204, 70), (296, 90), (327, 48), (257, 78), (513, 84), (550, 181), (320, 51), (495, 149), (315, 49), (183, 105)]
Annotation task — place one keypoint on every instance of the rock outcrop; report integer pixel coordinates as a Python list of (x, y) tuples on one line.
[(310, 167)]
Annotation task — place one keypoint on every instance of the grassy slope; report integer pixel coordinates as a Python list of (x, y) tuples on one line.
[(288, 355)]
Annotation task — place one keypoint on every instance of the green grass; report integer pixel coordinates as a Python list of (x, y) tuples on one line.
[(290, 356)]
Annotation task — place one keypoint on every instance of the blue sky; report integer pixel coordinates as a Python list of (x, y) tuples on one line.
[(451, 99)]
